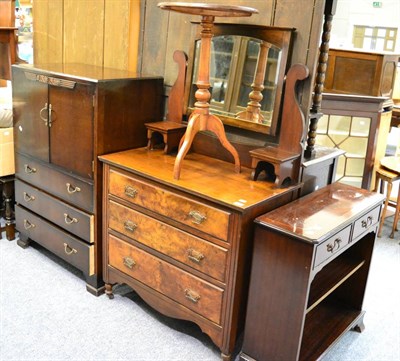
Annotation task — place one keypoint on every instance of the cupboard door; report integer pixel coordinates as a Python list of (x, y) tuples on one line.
[(30, 102), (71, 131)]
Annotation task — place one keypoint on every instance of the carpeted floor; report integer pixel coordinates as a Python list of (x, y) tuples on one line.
[(47, 314)]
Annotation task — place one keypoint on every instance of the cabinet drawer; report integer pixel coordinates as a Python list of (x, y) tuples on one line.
[(182, 246), (79, 223), (332, 245), (64, 186), (181, 209), (182, 287), (365, 222), (67, 247)]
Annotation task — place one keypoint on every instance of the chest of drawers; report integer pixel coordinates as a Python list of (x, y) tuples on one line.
[(66, 115), (184, 245), (310, 267)]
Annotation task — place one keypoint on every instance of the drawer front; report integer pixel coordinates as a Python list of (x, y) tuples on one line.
[(184, 210), (182, 287), (68, 188), (182, 246), (366, 222), (61, 243), (79, 223), (332, 246)]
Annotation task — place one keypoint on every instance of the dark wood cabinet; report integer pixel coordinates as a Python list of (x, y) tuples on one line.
[(184, 246), (310, 266), (65, 116)]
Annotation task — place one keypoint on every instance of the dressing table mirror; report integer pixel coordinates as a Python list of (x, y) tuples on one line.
[(247, 70)]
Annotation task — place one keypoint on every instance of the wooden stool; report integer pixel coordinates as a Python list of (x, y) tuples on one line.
[(282, 162), (7, 184), (383, 175), (171, 132)]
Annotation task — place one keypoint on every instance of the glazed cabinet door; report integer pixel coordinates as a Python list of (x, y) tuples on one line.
[(71, 127), (30, 102)]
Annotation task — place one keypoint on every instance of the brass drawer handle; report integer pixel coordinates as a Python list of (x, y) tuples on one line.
[(198, 218), (71, 189), (130, 191), (195, 256), (367, 223), (28, 198), (130, 226), (129, 262), (69, 250), (29, 169), (28, 225), (69, 220), (192, 295), (335, 246)]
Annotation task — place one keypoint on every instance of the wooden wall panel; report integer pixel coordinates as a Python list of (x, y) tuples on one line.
[(116, 23), (48, 31), (84, 31)]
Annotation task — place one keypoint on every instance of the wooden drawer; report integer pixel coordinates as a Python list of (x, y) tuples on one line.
[(367, 221), (332, 246), (67, 247), (182, 287), (64, 186), (181, 209), (79, 223), (182, 246)]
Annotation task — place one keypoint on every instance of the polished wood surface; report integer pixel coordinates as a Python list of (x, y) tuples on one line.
[(205, 176), (201, 231), (8, 53), (63, 121), (320, 213), (391, 163), (310, 266), (201, 119)]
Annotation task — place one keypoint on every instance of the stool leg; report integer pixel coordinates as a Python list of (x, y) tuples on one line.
[(396, 215), (389, 190)]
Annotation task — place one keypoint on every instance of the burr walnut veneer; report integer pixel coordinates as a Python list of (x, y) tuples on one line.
[(64, 117), (184, 245)]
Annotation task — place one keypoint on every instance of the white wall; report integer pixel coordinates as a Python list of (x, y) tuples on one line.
[(362, 12)]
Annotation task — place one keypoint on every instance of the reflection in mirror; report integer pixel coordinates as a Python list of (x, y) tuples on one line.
[(246, 76), (243, 78)]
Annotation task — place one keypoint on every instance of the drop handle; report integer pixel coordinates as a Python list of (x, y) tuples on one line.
[(28, 198), (130, 191), (28, 225), (366, 223), (130, 226), (129, 262), (69, 250), (71, 189), (28, 169), (335, 246), (195, 256), (69, 220), (44, 109), (192, 295), (197, 217)]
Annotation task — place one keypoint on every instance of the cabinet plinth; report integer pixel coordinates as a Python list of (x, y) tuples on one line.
[(65, 116), (310, 266)]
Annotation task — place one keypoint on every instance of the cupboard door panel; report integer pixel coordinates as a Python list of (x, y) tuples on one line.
[(71, 131), (30, 114)]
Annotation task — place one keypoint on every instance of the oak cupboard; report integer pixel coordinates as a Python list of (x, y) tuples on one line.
[(64, 117)]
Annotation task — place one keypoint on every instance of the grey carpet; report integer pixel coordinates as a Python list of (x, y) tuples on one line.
[(47, 314)]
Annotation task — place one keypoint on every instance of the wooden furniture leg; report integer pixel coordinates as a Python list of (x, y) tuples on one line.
[(8, 195)]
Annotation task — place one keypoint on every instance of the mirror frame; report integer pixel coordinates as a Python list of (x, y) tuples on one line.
[(281, 37)]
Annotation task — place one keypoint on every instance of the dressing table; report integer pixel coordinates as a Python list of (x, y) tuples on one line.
[(183, 243)]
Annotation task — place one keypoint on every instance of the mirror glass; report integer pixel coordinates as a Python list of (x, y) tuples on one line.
[(246, 76)]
